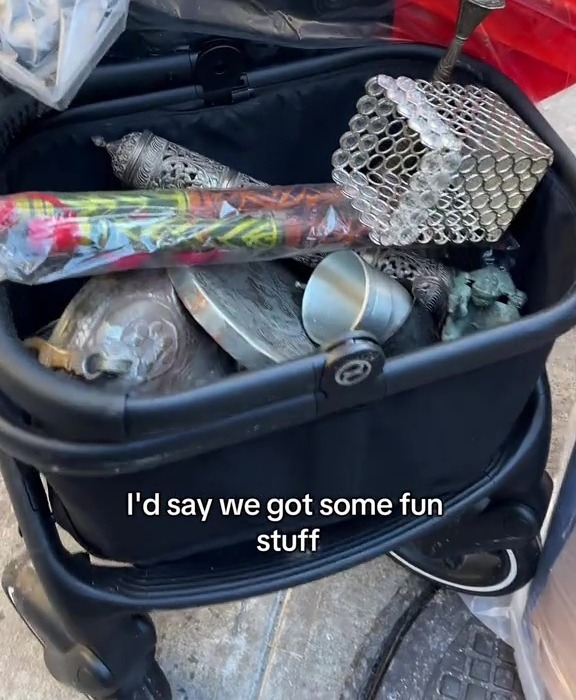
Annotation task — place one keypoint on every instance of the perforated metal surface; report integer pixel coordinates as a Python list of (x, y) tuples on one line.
[(406, 265), (436, 163), (429, 279)]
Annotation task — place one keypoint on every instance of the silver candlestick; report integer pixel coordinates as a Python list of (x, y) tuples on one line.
[(470, 16)]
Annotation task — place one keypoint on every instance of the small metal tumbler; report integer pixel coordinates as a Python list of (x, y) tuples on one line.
[(344, 293), (428, 279), (144, 161)]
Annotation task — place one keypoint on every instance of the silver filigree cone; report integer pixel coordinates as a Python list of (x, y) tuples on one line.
[(144, 161), (429, 280), (470, 16), (434, 163)]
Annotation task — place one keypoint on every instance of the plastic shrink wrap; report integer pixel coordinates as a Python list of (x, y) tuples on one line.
[(540, 620), (46, 237), (49, 47), (522, 40)]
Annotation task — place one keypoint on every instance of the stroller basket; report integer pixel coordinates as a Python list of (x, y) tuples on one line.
[(428, 422)]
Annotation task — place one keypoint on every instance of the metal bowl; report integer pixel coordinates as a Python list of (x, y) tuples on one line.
[(252, 310), (129, 331)]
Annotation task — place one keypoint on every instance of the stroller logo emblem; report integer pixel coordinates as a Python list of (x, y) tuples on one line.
[(353, 372)]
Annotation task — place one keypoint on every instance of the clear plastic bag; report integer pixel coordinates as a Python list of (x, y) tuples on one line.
[(539, 621), (49, 47), (46, 237), (521, 40)]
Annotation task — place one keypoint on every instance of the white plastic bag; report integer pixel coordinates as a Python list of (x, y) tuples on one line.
[(539, 621), (49, 47)]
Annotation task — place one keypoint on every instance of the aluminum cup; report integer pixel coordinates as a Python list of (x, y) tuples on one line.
[(346, 294)]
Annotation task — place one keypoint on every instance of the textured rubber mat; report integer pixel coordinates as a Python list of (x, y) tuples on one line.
[(441, 652), (477, 666)]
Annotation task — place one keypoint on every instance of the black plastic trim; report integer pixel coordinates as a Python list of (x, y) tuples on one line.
[(147, 75), (53, 456), (225, 576)]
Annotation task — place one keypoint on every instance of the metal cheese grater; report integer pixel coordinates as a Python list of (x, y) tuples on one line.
[(429, 162)]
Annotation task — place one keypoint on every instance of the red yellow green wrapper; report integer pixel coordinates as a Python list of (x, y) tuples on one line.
[(48, 236)]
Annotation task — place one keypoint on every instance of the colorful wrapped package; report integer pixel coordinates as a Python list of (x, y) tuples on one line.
[(46, 237)]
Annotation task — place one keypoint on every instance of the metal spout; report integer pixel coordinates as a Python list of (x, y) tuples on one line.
[(125, 153), (470, 16)]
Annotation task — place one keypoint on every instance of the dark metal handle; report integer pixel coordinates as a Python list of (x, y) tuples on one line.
[(471, 15)]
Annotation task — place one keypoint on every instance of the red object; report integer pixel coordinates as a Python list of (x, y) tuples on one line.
[(55, 235), (53, 231), (533, 42), (130, 262), (192, 258)]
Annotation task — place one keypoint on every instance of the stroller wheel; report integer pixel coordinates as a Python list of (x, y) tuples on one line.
[(155, 686), (484, 573)]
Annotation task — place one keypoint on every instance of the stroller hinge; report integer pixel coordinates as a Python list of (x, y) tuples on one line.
[(220, 69)]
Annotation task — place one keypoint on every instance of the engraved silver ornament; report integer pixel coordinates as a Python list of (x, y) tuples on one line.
[(429, 280), (435, 163), (144, 161), (129, 331)]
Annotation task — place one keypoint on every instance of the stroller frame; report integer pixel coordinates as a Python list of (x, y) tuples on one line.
[(93, 621)]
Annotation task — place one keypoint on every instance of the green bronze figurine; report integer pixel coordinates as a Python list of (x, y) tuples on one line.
[(481, 300)]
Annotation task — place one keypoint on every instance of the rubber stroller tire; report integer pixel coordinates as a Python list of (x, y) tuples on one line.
[(508, 571)]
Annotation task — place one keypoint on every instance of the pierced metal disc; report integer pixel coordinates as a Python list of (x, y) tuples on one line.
[(133, 321)]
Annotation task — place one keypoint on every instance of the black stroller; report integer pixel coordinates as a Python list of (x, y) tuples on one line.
[(468, 422)]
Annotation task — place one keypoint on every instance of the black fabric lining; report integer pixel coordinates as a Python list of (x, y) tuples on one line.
[(283, 135), (273, 136)]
